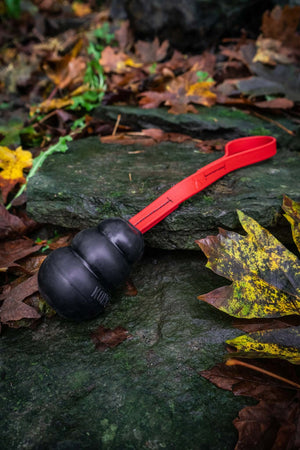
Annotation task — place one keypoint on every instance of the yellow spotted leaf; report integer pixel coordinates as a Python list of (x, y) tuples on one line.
[(265, 274), (281, 343), (12, 163), (292, 214)]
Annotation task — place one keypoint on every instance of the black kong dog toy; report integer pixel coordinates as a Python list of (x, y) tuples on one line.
[(77, 280)]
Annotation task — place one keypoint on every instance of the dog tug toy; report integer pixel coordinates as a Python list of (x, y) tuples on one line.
[(77, 280)]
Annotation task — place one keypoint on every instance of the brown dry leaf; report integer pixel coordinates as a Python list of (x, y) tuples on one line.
[(274, 425), (276, 103), (12, 251), (271, 51), (12, 225), (180, 93), (150, 52), (253, 325), (147, 137), (115, 60), (274, 422), (211, 145), (130, 289), (281, 24), (13, 308), (66, 70), (105, 338), (234, 54), (62, 241), (124, 35)]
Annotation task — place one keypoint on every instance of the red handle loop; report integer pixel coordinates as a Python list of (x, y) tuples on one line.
[(238, 153)]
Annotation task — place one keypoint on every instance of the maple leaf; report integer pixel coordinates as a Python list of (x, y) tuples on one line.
[(181, 92), (149, 52), (12, 163), (265, 275), (115, 60), (281, 24), (273, 422)]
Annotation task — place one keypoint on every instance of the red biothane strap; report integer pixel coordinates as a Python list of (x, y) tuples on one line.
[(238, 153)]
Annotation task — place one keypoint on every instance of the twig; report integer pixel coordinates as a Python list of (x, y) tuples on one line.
[(116, 125), (261, 116), (236, 362)]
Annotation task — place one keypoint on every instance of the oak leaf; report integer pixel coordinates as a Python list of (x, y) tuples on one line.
[(12, 163)]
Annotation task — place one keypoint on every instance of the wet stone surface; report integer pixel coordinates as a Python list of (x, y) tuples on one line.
[(93, 181), (58, 392)]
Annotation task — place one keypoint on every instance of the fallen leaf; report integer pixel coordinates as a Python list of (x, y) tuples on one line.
[(252, 325), (180, 93), (13, 308), (265, 275), (51, 104), (282, 24), (243, 381), (124, 35), (81, 9), (115, 60), (280, 80), (67, 70), (274, 422), (150, 52), (12, 225), (130, 289), (271, 51), (281, 343), (12, 251), (12, 163), (105, 338), (273, 425), (276, 103), (292, 214), (147, 137)]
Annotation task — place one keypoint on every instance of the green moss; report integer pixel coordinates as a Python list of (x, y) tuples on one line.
[(260, 131)]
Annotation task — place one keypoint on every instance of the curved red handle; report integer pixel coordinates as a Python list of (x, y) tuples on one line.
[(238, 153)]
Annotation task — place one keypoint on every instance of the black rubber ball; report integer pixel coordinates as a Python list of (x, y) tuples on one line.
[(77, 281)]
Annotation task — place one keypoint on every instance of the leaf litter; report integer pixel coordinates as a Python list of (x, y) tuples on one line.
[(266, 286), (62, 79)]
